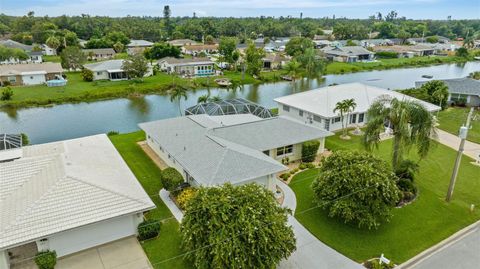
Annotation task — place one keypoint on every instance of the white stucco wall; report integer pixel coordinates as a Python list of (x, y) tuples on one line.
[(3, 259), (33, 79), (164, 155), (89, 236), (266, 181), (100, 75)]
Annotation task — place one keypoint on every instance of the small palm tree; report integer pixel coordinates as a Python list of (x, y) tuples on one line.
[(350, 104), (411, 124), (344, 108), (203, 99), (215, 99), (293, 69), (176, 94)]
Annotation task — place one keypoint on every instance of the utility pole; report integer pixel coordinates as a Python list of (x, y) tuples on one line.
[(463, 136)]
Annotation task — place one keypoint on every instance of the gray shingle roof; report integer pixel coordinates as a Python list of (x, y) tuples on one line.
[(185, 61), (139, 43), (63, 185), (15, 45), (99, 51), (18, 69), (467, 86)]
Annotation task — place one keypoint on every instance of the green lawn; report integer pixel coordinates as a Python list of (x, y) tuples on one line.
[(453, 117), (413, 228), (340, 68), (167, 244)]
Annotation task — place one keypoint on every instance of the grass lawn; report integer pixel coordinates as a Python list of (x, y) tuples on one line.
[(453, 117), (167, 244), (414, 227)]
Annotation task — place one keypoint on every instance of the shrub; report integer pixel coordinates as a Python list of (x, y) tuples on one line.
[(295, 170), (46, 259), (375, 264), (25, 140), (185, 196), (407, 169), (87, 74), (6, 83), (285, 176), (462, 52), (357, 187), (7, 94), (406, 186), (309, 150), (112, 133), (386, 54), (148, 229), (302, 166), (310, 165), (171, 178)]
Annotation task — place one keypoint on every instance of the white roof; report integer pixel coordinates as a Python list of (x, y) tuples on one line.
[(139, 43), (63, 185), (322, 101), (105, 65)]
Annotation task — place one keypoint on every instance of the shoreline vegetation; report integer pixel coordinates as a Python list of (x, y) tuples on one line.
[(78, 91)]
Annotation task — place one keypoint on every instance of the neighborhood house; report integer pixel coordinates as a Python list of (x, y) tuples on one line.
[(66, 196), (111, 70), (33, 56), (138, 46), (463, 91), (212, 150), (30, 74), (196, 49), (274, 61), (99, 54), (196, 67), (348, 54), (316, 107)]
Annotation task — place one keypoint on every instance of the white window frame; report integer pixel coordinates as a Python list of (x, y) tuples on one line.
[(284, 152)]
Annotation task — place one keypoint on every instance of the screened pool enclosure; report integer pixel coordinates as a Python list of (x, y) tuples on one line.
[(229, 107)]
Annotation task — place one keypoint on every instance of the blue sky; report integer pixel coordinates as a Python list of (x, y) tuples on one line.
[(433, 9)]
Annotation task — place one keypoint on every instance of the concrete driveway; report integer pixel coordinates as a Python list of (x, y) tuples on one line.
[(125, 253)]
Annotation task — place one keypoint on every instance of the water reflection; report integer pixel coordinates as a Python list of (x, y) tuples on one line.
[(139, 104)]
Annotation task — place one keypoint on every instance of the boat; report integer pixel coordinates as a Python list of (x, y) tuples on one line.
[(477, 58), (287, 78), (427, 76), (224, 82)]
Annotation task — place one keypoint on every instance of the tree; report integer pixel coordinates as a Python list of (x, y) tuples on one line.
[(176, 94), (72, 58), (7, 94), (236, 227), (161, 50), (350, 43), (432, 39), (311, 62), (343, 107), (357, 187), (117, 36), (410, 123), (166, 20), (462, 52), (437, 92), (293, 69), (209, 40), (203, 99), (403, 35), (227, 47), (253, 58), (87, 74), (298, 45), (53, 42), (118, 47), (136, 66)]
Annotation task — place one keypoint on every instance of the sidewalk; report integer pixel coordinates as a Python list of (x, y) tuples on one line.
[(453, 141)]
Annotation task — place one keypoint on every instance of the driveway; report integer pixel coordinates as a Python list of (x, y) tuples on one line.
[(463, 253), (125, 253), (453, 141)]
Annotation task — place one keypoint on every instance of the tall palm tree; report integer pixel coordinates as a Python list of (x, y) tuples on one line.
[(176, 94), (411, 124), (350, 104), (342, 107), (203, 99)]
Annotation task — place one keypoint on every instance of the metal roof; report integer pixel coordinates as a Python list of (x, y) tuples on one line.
[(229, 107), (10, 141), (467, 86)]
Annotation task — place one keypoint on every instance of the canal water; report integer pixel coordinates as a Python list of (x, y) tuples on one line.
[(46, 124)]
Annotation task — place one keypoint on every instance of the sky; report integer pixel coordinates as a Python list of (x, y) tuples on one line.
[(414, 9)]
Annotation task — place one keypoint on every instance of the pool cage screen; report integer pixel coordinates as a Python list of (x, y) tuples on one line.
[(229, 107)]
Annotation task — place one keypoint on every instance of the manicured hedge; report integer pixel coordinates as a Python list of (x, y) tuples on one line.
[(171, 178), (46, 259), (386, 54), (148, 229), (309, 150)]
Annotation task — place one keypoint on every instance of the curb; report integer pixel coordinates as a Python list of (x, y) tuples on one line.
[(440, 246)]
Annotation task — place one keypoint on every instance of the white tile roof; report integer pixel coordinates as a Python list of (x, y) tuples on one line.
[(139, 43), (105, 65), (322, 101), (21, 69), (63, 185)]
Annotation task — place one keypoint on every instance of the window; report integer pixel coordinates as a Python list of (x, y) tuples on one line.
[(317, 118), (300, 113), (31, 77), (12, 79), (286, 108), (327, 124), (360, 117), (266, 152), (337, 119), (99, 73), (353, 118), (285, 150)]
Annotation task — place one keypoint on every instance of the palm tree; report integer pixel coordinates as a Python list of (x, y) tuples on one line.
[(350, 104), (203, 99), (215, 99), (411, 124), (53, 42), (176, 94), (343, 107), (293, 69)]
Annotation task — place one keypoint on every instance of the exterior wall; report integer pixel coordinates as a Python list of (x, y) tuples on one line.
[(33, 79), (155, 146), (3, 259), (100, 75), (474, 100), (266, 181), (89, 236), (16, 83)]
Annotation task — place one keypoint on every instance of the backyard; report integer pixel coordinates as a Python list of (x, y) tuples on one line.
[(415, 227), (167, 244), (453, 117)]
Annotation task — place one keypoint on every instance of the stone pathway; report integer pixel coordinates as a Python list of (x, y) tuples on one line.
[(153, 156)]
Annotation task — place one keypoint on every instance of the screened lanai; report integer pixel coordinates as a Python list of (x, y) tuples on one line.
[(10, 141), (229, 107)]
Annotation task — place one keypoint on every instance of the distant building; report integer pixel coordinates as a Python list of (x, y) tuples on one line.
[(138, 46), (195, 50), (99, 54), (34, 56), (48, 51), (274, 61), (30, 74), (196, 67), (182, 42), (111, 70), (461, 90), (348, 54)]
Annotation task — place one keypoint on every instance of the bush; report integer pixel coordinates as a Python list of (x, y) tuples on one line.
[(302, 166), (148, 229), (386, 54), (407, 169), (46, 259), (375, 264), (310, 165), (285, 176), (171, 178), (309, 150), (87, 74), (112, 133), (185, 196), (6, 83), (25, 140), (462, 52), (406, 186), (7, 94)]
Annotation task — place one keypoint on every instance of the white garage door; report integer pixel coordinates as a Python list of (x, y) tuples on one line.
[(33, 79), (92, 235)]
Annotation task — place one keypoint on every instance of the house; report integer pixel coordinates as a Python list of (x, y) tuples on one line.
[(462, 90), (348, 54), (30, 74), (243, 148), (182, 42), (274, 61), (111, 70), (368, 43), (15, 45), (321, 43), (48, 51), (99, 54), (422, 50), (138, 46), (315, 107), (195, 67), (402, 51), (196, 49), (67, 196)]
